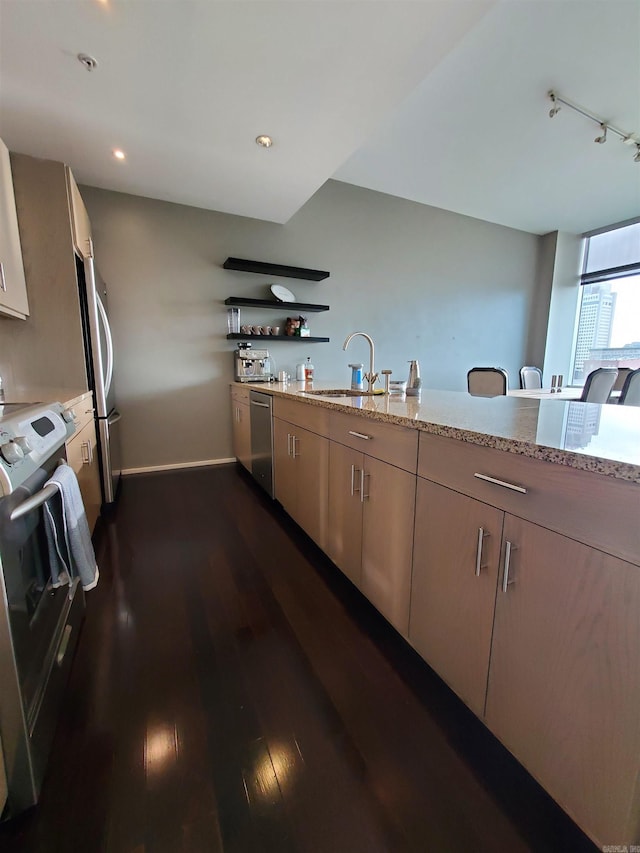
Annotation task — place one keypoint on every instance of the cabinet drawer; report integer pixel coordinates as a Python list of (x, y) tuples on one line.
[(82, 414), (313, 418), (591, 508), (389, 443), (239, 394)]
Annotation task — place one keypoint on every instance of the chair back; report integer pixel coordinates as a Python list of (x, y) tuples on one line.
[(623, 372), (487, 381), (598, 386), (630, 394), (530, 377)]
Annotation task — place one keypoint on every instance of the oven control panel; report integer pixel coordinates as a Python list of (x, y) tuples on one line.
[(28, 437)]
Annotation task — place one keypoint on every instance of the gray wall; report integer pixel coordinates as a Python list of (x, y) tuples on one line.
[(446, 289)]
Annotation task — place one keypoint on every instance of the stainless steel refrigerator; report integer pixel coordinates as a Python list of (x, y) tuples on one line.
[(98, 347)]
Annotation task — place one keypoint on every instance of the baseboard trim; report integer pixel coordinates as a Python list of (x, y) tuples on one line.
[(204, 463)]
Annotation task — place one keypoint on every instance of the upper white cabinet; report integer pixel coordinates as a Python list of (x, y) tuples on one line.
[(80, 223), (13, 289)]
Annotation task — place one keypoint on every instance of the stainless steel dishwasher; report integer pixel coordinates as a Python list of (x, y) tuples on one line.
[(262, 440)]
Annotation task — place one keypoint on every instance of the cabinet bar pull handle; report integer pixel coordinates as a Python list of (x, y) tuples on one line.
[(288, 444), (481, 536), (363, 497), (508, 548), (64, 644), (293, 446), (503, 483), (262, 405), (3, 281), (86, 451), (353, 474), (360, 435)]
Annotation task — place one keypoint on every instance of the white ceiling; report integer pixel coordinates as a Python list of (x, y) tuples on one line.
[(439, 101)]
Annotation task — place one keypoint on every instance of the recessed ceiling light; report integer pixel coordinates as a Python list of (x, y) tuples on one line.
[(118, 154), (264, 141)]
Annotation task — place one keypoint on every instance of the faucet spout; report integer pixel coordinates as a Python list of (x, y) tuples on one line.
[(371, 376)]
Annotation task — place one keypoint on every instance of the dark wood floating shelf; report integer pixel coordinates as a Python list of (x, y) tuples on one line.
[(263, 268), (241, 337), (270, 303)]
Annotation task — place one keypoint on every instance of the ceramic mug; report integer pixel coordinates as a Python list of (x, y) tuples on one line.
[(256, 330), (246, 330), (275, 330), (266, 330)]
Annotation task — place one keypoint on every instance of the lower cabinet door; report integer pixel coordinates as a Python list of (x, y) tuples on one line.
[(82, 456), (311, 465), (344, 537), (387, 539), (564, 679), (284, 468), (242, 433), (455, 570)]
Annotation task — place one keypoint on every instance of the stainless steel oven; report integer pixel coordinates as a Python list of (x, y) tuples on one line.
[(39, 624)]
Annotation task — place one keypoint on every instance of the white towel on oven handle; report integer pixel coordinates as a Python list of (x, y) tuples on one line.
[(71, 526)]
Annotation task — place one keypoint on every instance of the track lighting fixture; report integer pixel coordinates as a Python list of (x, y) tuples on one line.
[(603, 136), (605, 126)]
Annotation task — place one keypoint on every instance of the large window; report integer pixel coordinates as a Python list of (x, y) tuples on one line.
[(609, 320)]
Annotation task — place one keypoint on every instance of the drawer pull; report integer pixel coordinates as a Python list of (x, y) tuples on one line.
[(502, 483), (508, 548), (360, 435), (481, 535), (3, 281), (86, 452)]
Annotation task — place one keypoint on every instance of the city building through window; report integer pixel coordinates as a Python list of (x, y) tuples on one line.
[(608, 332)]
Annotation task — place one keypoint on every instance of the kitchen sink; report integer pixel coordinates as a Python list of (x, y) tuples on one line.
[(341, 392)]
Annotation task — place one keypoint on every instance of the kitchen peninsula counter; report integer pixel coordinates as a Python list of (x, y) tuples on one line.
[(603, 439)]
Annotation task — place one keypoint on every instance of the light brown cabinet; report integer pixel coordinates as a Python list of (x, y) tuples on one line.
[(564, 679), (241, 414), (563, 656), (13, 288), (371, 511), (301, 460), (82, 456), (455, 573)]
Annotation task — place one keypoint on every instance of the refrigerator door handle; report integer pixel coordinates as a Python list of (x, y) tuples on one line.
[(107, 334), (114, 418)]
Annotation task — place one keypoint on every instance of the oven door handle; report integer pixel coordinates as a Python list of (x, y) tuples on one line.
[(33, 502)]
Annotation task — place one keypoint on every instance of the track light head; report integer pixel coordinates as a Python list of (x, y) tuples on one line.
[(555, 109), (603, 136)]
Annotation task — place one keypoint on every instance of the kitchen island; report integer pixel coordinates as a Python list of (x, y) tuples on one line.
[(500, 537)]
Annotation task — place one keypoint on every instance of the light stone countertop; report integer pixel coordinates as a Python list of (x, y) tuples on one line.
[(604, 439)]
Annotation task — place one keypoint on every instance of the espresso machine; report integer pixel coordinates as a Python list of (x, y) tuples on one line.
[(252, 365)]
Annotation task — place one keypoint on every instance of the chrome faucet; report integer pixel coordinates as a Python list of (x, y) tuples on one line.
[(370, 376)]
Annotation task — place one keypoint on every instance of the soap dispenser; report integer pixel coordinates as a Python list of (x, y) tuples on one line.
[(357, 378), (308, 370)]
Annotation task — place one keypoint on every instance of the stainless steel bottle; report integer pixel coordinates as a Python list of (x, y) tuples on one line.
[(414, 382)]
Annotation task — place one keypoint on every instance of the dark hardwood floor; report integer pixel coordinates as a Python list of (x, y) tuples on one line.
[(233, 692)]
